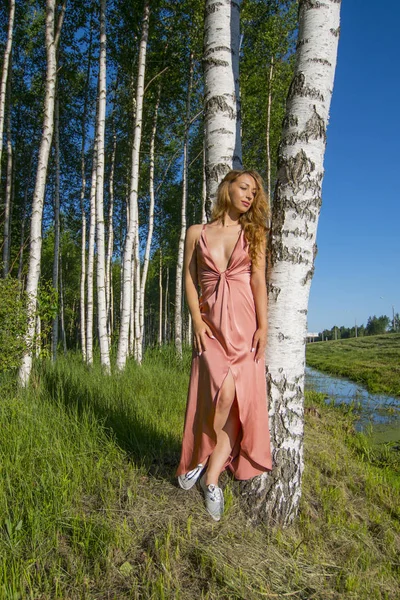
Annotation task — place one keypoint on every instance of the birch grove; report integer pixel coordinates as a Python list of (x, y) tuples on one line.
[(134, 165), (275, 497)]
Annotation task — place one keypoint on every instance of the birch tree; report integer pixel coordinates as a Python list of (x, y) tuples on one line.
[(4, 74), (151, 217), (131, 235), (9, 186), (221, 92), (90, 263), (53, 32), (56, 259), (275, 497), (100, 273), (179, 264)]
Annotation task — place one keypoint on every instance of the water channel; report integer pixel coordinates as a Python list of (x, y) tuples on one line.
[(377, 412)]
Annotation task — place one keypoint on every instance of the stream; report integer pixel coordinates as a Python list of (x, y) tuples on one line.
[(377, 412)]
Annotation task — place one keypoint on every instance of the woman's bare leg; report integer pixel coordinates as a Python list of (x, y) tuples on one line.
[(226, 426)]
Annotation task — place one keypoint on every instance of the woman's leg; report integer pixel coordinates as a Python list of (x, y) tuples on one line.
[(226, 426)]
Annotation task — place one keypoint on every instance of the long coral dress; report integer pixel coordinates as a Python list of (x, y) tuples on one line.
[(227, 306)]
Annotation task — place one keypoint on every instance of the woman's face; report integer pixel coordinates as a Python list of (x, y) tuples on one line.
[(242, 192)]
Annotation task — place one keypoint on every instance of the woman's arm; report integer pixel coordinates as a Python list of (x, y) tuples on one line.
[(200, 329), (259, 289)]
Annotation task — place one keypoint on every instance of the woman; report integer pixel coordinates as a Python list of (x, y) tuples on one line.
[(226, 423)]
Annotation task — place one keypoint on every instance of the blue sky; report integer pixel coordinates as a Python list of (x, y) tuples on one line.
[(357, 270)]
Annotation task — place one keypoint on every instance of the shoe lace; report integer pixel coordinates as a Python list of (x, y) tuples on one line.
[(215, 493)]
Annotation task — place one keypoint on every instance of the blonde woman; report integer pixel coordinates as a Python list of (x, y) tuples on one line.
[(226, 423)]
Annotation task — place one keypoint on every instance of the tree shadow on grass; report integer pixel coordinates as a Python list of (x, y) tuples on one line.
[(156, 452)]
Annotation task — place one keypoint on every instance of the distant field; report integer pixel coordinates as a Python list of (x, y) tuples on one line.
[(373, 361)]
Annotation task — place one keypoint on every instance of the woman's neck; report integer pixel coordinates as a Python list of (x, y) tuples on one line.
[(231, 219)]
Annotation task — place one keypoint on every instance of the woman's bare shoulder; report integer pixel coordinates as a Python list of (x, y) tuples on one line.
[(193, 233)]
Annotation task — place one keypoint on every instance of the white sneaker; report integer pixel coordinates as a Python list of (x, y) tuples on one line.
[(214, 498), (188, 480)]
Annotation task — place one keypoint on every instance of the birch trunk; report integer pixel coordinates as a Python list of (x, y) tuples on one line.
[(221, 92), (100, 273), (151, 218), (9, 187), (275, 497), (62, 312), (90, 265), (166, 308), (122, 352), (179, 265), (52, 39), (82, 298), (56, 258), (160, 305), (110, 241), (4, 74), (268, 134), (204, 187)]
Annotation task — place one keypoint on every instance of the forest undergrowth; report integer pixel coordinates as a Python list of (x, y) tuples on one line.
[(90, 509), (373, 360)]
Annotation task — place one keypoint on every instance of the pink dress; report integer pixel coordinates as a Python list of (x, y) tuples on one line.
[(227, 306)]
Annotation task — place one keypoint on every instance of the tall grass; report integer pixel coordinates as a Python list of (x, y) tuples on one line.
[(89, 507), (373, 361)]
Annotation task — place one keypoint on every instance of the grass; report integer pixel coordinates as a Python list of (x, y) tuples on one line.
[(89, 507), (373, 361)]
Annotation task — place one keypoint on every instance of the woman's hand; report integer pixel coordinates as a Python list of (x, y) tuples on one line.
[(200, 331), (259, 343)]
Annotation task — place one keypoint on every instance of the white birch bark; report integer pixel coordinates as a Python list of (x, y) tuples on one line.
[(82, 296), (62, 311), (204, 187), (221, 92), (100, 272), (151, 218), (9, 187), (166, 308), (179, 264), (268, 132), (160, 305), (56, 257), (110, 240), (52, 39), (122, 352), (4, 74), (90, 263), (275, 497)]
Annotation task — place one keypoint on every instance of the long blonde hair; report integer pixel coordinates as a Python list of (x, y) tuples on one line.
[(256, 221)]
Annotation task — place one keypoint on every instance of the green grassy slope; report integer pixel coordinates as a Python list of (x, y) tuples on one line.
[(89, 506), (373, 361)]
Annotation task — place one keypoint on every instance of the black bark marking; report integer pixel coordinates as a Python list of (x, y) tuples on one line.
[(208, 63), (299, 88), (217, 172), (322, 61), (218, 104), (335, 32), (315, 127), (273, 291), (213, 8), (295, 170), (290, 121), (217, 49)]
